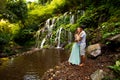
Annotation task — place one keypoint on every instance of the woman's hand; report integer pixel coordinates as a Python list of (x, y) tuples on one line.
[(76, 40)]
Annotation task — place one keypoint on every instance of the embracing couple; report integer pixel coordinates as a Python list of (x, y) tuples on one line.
[(77, 55)]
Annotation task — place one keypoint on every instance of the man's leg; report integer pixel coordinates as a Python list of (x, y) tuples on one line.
[(83, 59)]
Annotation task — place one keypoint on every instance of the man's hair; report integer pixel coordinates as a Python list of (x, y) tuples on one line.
[(83, 26)]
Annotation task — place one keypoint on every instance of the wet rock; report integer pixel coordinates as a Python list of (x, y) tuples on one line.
[(115, 38), (114, 43), (94, 50), (98, 75)]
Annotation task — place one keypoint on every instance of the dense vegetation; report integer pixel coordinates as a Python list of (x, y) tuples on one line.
[(20, 20)]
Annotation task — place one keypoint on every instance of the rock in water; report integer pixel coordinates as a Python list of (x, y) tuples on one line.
[(98, 75), (94, 50)]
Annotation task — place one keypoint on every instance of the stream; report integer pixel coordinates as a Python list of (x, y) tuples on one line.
[(32, 66)]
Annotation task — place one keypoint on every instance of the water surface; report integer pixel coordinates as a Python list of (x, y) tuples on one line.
[(31, 66)]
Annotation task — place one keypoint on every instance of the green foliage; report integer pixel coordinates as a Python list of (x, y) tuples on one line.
[(110, 29), (19, 8), (46, 46), (23, 36), (2, 4), (71, 27), (7, 32), (101, 17), (94, 16), (8, 28), (40, 13), (69, 46), (7, 14), (116, 69), (4, 39)]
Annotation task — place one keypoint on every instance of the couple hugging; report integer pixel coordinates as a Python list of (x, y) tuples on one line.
[(77, 55)]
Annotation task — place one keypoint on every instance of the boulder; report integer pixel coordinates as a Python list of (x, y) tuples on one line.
[(115, 38), (98, 75), (114, 43), (94, 50)]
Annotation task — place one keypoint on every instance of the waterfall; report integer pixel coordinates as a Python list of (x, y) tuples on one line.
[(53, 20), (49, 28), (58, 35), (55, 23), (65, 13), (47, 24), (69, 37), (42, 43), (72, 19), (37, 39), (82, 12)]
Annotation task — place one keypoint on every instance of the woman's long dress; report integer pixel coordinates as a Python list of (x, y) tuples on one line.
[(75, 54)]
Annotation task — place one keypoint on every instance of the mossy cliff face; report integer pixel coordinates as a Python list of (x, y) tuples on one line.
[(101, 23)]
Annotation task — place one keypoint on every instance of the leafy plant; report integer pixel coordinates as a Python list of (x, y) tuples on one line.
[(23, 36), (7, 14), (110, 29), (19, 8), (116, 68)]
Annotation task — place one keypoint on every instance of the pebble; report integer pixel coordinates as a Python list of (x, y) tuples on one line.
[(57, 67), (50, 70), (71, 72)]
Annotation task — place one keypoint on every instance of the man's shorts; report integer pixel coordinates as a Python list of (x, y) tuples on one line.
[(82, 48)]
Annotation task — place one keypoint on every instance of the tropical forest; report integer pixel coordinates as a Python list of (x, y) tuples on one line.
[(37, 39)]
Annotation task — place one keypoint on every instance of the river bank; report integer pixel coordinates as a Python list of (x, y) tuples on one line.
[(64, 71)]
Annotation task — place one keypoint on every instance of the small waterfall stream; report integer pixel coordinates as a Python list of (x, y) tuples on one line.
[(72, 19), (52, 30), (69, 37), (58, 35), (37, 39), (42, 43)]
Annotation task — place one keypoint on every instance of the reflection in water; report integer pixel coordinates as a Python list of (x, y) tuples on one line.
[(31, 76), (31, 66)]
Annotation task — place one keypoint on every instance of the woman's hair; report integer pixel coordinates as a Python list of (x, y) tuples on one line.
[(83, 26), (76, 31)]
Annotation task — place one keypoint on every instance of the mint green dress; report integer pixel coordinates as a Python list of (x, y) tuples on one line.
[(75, 54)]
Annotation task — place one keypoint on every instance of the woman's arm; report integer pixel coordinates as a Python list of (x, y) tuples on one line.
[(77, 38)]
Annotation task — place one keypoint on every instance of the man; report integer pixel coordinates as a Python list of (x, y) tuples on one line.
[(82, 44)]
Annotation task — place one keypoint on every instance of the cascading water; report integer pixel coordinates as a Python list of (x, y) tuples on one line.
[(69, 37), (47, 24), (49, 28), (53, 24), (58, 35), (72, 19), (37, 39), (82, 12), (42, 43)]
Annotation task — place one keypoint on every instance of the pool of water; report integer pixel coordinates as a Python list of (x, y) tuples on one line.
[(32, 66)]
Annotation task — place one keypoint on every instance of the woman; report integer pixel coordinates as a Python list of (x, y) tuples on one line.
[(75, 53)]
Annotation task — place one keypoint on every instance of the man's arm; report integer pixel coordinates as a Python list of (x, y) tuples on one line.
[(81, 36)]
